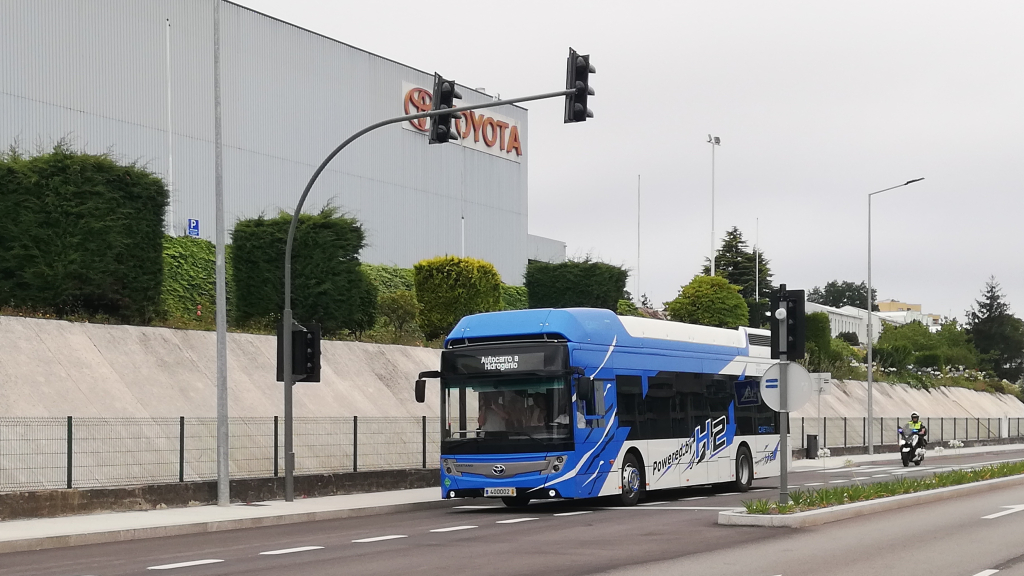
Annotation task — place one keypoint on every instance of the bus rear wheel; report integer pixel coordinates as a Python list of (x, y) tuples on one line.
[(744, 470), (632, 481)]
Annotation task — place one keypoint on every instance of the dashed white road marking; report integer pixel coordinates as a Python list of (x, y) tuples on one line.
[(693, 498), (380, 538), (454, 528), (184, 564), (815, 484), (680, 508), (728, 494), (757, 490), (986, 573), (515, 520), (475, 507), (578, 512), (652, 503), (838, 481), (881, 476), (291, 550)]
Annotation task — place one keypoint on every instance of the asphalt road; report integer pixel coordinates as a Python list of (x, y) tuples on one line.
[(671, 532)]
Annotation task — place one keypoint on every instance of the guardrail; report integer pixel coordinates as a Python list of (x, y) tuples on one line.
[(54, 453), (835, 432)]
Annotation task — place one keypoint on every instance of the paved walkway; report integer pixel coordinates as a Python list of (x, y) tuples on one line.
[(839, 461), (114, 526)]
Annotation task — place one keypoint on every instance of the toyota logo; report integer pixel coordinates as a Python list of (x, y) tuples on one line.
[(418, 100), (498, 470)]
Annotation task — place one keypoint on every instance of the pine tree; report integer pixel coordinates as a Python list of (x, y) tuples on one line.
[(998, 335), (736, 262)]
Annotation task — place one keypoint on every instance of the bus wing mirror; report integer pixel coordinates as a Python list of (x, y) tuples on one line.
[(585, 388), (421, 391)]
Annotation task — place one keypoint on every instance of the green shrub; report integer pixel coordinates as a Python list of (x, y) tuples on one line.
[(514, 297), (850, 338), (449, 287), (575, 283), (627, 308), (710, 301), (81, 234), (328, 285), (400, 309), (390, 279), (190, 280)]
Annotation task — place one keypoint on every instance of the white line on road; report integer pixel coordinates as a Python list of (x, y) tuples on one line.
[(454, 528), (290, 550), (986, 573), (574, 513), (815, 484), (728, 494), (881, 476), (184, 564), (693, 498), (380, 538), (515, 520), (476, 507), (758, 490), (679, 508), (652, 503), (838, 481), (1011, 510)]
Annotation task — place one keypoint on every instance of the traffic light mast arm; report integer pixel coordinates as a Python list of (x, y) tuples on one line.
[(371, 128)]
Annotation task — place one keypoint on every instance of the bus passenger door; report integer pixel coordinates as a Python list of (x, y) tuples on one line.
[(590, 429)]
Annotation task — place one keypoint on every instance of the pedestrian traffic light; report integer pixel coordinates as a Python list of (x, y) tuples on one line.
[(796, 331), (577, 77), (305, 352), (443, 98)]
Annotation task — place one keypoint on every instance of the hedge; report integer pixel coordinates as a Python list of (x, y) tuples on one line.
[(575, 283), (390, 279), (81, 233), (190, 279), (328, 285), (514, 297), (449, 287)]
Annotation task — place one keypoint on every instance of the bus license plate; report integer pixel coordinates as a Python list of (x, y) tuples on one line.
[(498, 492)]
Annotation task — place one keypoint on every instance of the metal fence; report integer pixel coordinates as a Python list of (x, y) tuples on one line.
[(835, 432), (52, 453)]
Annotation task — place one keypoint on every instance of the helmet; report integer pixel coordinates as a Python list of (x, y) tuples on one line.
[(915, 415)]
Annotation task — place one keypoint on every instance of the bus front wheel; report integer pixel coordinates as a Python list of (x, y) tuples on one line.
[(744, 470), (632, 481)]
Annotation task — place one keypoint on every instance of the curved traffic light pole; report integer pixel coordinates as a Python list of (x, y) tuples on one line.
[(286, 317)]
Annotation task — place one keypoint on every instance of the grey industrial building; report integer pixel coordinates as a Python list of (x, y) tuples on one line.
[(135, 78)]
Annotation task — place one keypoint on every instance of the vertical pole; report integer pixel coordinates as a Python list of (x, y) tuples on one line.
[(954, 428), (977, 435), (289, 383), (864, 430), (181, 449), (638, 238), (844, 431), (223, 468), (71, 460), (757, 282), (712, 208), (783, 391), (170, 139), (803, 436), (277, 466), (355, 443), (942, 429), (824, 432), (424, 441), (871, 448)]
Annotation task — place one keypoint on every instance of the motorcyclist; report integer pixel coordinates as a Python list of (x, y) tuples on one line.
[(915, 425)]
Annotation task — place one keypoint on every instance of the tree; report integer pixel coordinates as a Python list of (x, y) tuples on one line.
[(710, 301), (838, 294), (449, 288), (627, 308), (574, 283), (998, 335), (850, 338), (735, 262), (400, 309)]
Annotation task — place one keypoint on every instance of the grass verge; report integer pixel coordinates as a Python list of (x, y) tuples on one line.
[(804, 500)]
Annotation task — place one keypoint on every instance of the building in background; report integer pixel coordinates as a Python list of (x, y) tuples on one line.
[(135, 79)]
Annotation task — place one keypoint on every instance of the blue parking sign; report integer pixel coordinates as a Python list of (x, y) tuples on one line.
[(193, 227)]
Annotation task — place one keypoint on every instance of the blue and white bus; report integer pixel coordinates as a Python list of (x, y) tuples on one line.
[(580, 403)]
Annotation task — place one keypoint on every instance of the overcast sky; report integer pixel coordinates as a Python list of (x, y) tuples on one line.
[(817, 104)]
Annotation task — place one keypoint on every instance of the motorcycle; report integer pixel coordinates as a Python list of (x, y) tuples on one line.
[(910, 449)]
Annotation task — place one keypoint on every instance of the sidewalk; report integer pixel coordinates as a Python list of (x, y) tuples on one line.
[(20, 535), (894, 458)]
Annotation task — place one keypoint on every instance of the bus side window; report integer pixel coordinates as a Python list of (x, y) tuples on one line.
[(629, 396), (592, 405)]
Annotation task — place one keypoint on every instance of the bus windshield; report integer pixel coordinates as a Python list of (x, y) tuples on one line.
[(507, 415)]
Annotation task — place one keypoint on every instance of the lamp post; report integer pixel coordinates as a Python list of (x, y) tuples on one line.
[(714, 141), (871, 305)]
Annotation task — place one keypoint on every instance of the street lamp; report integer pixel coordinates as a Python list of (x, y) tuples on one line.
[(871, 305), (714, 141)]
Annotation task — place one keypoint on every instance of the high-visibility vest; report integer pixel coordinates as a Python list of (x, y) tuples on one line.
[(915, 426)]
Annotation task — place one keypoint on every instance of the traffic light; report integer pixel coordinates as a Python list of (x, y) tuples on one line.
[(796, 331), (443, 98), (577, 77), (305, 352)]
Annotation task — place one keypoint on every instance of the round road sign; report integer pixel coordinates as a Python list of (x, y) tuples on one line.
[(798, 386)]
